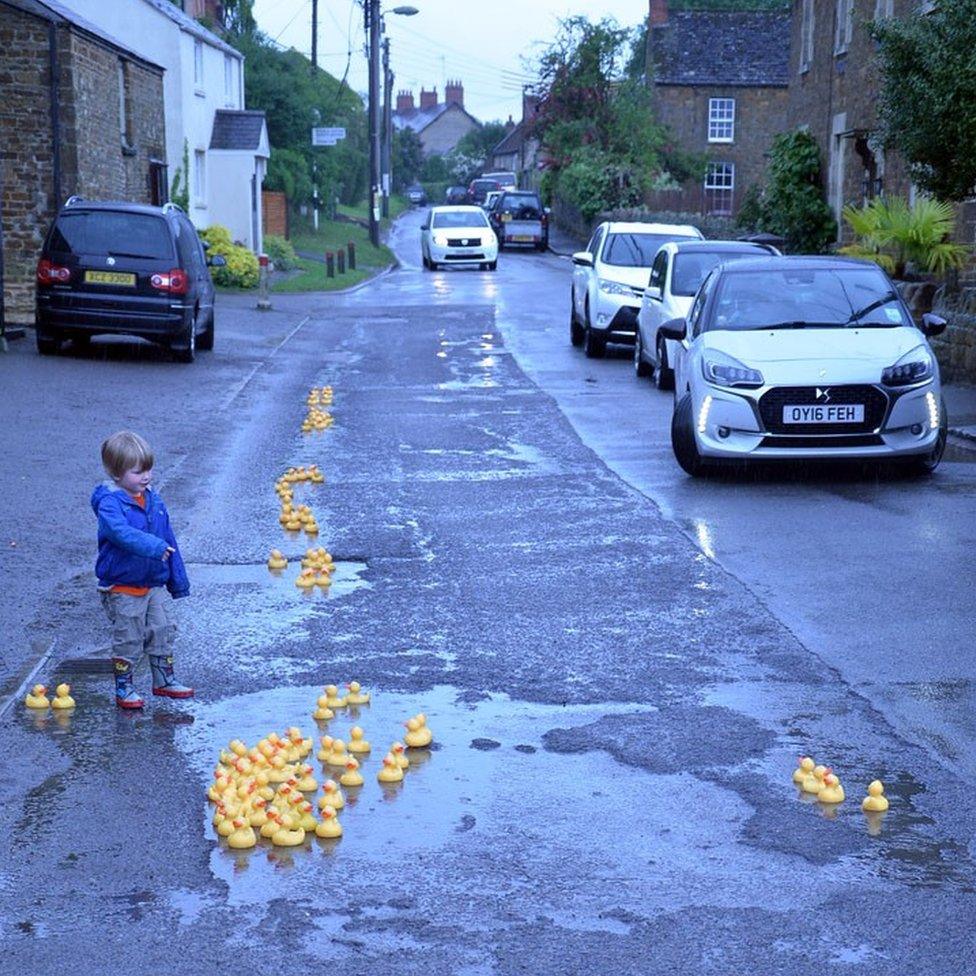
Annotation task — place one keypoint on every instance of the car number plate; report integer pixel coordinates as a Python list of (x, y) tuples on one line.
[(506, 218), (522, 238), (110, 278), (823, 413)]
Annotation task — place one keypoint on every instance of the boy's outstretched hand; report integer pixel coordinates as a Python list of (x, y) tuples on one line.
[(169, 552)]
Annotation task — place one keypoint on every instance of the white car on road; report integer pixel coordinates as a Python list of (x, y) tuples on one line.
[(458, 235), (805, 358), (609, 279), (677, 271)]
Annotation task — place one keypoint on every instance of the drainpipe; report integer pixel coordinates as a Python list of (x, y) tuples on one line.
[(52, 51)]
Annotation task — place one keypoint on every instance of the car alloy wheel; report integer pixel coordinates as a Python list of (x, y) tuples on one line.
[(641, 367), (594, 343), (187, 353), (663, 375), (683, 441)]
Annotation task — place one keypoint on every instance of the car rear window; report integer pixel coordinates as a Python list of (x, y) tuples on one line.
[(112, 232), (459, 218), (522, 201), (637, 250)]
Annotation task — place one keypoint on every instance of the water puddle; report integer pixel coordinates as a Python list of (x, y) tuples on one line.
[(346, 579)]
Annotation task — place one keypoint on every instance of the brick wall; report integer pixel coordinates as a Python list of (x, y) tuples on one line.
[(93, 163), (444, 133), (760, 114), (274, 211)]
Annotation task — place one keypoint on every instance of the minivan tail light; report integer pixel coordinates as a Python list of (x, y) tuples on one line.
[(52, 274), (173, 282)]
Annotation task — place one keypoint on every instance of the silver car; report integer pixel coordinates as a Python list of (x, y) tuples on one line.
[(677, 271)]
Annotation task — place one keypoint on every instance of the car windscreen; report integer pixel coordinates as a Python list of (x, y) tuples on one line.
[(524, 205), (113, 232), (691, 269), (806, 298), (502, 177), (459, 218), (636, 250)]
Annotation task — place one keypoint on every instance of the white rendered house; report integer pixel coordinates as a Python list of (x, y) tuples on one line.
[(227, 147)]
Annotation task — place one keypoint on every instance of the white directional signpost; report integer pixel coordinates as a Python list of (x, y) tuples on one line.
[(323, 136)]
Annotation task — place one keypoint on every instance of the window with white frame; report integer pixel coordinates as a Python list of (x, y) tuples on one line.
[(198, 65), (228, 81), (719, 188), (200, 178), (806, 36), (123, 105), (883, 9), (721, 119), (845, 26)]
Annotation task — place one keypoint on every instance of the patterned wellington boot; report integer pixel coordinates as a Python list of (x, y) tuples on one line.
[(125, 692), (164, 683)]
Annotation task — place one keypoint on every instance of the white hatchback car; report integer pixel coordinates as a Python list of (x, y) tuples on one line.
[(609, 279), (805, 358), (458, 235), (678, 270)]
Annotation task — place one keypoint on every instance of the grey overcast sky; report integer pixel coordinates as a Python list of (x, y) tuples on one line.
[(482, 42)]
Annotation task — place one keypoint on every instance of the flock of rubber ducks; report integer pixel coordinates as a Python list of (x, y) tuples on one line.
[(318, 419), (297, 518), (38, 700), (822, 782), (266, 791)]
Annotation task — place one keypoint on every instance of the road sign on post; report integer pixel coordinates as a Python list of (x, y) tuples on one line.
[(327, 136)]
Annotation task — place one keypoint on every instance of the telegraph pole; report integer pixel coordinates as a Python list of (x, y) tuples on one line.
[(315, 35), (372, 8), (387, 153)]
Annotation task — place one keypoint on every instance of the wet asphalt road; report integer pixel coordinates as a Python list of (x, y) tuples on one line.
[(618, 694)]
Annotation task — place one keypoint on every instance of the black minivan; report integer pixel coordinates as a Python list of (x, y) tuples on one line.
[(127, 269)]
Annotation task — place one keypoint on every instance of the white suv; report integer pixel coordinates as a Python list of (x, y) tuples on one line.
[(609, 279)]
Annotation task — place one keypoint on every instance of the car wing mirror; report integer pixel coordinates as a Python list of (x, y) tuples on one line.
[(652, 291), (217, 261), (425, 226), (674, 329), (933, 325), (583, 258)]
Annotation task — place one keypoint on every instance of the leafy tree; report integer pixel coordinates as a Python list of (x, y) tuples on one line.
[(928, 98), (408, 157), (478, 143)]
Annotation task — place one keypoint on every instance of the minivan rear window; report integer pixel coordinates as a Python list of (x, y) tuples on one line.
[(112, 232)]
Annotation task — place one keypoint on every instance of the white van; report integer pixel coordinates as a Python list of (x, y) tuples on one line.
[(507, 180)]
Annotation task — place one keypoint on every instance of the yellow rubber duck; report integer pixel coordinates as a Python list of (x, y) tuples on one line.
[(804, 767), (37, 697), (338, 756), (356, 741), (332, 691), (813, 782), (258, 814), (293, 524), (243, 835), (325, 581), (356, 694), (326, 747), (832, 791), (317, 477), (400, 755), (875, 801), (329, 825), (226, 826), (286, 796), (305, 817), (352, 775), (272, 824), (306, 781), (287, 835), (417, 735), (323, 713), (62, 696), (331, 796), (306, 579), (298, 741), (391, 771), (277, 560)]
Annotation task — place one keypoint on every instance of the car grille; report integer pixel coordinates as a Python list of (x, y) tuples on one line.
[(464, 242), (772, 402), (819, 440), (470, 256)]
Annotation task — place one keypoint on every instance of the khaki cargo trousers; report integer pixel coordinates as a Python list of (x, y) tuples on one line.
[(140, 624)]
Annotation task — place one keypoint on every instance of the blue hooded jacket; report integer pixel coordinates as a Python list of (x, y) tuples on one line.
[(132, 541)]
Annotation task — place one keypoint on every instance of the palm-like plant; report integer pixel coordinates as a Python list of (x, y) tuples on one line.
[(893, 234)]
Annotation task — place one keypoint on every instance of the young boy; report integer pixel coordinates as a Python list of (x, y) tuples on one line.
[(137, 556)]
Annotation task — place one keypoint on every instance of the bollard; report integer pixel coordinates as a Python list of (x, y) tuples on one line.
[(329, 264), (341, 261), (264, 302), (351, 248)]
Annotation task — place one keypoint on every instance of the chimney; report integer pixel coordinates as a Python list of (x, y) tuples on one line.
[(510, 124), (428, 99), (658, 13), (454, 93), (530, 105), (404, 101)]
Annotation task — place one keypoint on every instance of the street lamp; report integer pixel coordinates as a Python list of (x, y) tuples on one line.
[(374, 25)]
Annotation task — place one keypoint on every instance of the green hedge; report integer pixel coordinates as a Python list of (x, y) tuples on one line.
[(281, 252)]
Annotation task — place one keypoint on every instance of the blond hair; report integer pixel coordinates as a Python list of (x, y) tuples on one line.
[(125, 451)]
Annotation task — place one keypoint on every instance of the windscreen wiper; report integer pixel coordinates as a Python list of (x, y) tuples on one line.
[(883, 300)]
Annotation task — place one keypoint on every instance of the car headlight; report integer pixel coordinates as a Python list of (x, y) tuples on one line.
[(916, 366), (440, 240), (614, 288), (723, 370)]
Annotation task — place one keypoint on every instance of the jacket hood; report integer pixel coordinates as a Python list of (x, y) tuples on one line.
[(110, 488)]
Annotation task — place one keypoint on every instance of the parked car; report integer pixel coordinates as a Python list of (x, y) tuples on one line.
[(127, 269), (609, 279), (458, 235), (519, 218), (417, 195), (490, 197), (505, 179), (804, 357), (678, 269), (455, 195), (479, 188)]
